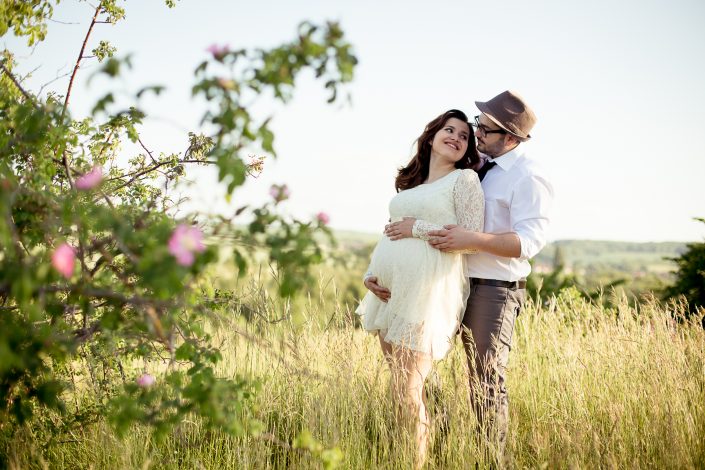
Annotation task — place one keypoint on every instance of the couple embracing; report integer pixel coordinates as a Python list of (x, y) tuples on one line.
[(466, 220)]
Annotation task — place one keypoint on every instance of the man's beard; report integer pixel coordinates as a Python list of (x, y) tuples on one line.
[(489, 151)]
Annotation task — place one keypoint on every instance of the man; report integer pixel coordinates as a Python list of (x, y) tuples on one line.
[(517, 202)]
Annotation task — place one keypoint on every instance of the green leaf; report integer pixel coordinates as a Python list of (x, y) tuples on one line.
[(240, 262), (102, 104), (156, 89)]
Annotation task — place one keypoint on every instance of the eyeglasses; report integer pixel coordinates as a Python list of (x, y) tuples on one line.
[(484, 130)]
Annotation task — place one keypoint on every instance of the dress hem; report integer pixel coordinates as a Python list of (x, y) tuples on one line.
[(379, 332)]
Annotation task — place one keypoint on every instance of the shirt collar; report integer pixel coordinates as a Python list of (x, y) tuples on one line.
[(507, 161)]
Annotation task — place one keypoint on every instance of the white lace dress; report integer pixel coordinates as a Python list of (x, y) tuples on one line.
[(428, 287)]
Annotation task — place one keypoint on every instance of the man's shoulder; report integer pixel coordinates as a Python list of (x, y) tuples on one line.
[(532, 176), (528, 166)]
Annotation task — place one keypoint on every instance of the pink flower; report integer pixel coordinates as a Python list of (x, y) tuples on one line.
[(64, 259), (279, 192), (146, 380), (218, 51), (323, 218), (91, 179), (185, 241)]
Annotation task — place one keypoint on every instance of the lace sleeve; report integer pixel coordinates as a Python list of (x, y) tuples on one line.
[(421, 229), (469, 201)]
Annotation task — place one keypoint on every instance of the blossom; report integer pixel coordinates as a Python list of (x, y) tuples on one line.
[(225, 83), (64, 259), (185, 241), (91, 179), (279, 192), (146, 380), (218, 51), (256, 165), (323, 218)]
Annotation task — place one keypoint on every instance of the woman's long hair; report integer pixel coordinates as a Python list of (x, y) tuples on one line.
[(416, 171)]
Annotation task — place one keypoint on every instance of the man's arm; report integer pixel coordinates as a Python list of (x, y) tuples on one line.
[(529, 220), (455, 238)]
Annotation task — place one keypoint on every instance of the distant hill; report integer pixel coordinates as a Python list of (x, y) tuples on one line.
[(582, 256), (595, 256), (350, 238)]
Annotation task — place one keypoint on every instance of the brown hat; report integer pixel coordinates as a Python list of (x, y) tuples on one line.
[(509, 111)]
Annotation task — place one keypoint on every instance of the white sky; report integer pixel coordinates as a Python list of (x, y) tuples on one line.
[(617, 87)]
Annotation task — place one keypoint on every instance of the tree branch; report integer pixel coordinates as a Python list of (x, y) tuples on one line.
[(14, 80), (64, 157), (108, 295), (153, 168), (80, 57), (58, 77), (146, 150), (83, 334), (61, 22)]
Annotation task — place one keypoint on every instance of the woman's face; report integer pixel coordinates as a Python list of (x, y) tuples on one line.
[(451, 142)]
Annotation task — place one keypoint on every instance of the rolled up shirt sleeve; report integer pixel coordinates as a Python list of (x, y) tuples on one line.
[(530, 213)]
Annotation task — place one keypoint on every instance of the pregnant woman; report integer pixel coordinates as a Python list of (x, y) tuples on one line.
[(417, 293)]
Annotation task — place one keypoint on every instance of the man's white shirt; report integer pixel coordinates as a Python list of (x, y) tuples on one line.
[(518, 198)]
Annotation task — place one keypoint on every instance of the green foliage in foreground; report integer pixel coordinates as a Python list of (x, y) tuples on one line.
[(591, 387), (96, 272)]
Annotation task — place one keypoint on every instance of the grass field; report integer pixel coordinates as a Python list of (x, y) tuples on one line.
[(590, 387)]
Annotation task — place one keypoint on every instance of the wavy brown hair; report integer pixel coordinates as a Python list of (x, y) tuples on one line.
[(416, 171)]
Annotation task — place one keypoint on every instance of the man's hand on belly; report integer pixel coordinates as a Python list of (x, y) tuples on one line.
[(382, 293)]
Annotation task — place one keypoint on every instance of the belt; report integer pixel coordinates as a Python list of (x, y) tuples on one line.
[(520, 284)]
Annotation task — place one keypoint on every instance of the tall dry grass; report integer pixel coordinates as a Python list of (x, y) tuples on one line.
[(590, 387)]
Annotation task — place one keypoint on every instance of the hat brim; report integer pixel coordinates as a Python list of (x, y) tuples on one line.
[(482, 106)]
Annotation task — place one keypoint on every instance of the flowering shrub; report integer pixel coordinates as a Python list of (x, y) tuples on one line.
[(93, 265), (323, 218), (145, 380), (64, 260), (91, 179), (279, 192), (184, 243), (218, 51)]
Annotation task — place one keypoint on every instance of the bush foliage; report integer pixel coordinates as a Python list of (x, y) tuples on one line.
[(95, 268), (690, 276)]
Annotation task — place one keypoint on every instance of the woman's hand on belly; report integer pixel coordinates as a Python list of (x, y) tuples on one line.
[(382, 293), (401, 229)]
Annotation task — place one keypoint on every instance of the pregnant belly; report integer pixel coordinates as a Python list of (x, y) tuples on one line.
[(392, 259)]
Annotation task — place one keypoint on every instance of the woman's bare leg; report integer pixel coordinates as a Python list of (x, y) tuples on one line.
[(386, 350), (417, 367), (410, 370), (396, 379)]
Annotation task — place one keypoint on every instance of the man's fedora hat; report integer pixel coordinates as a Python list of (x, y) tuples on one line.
[(509, 111)]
